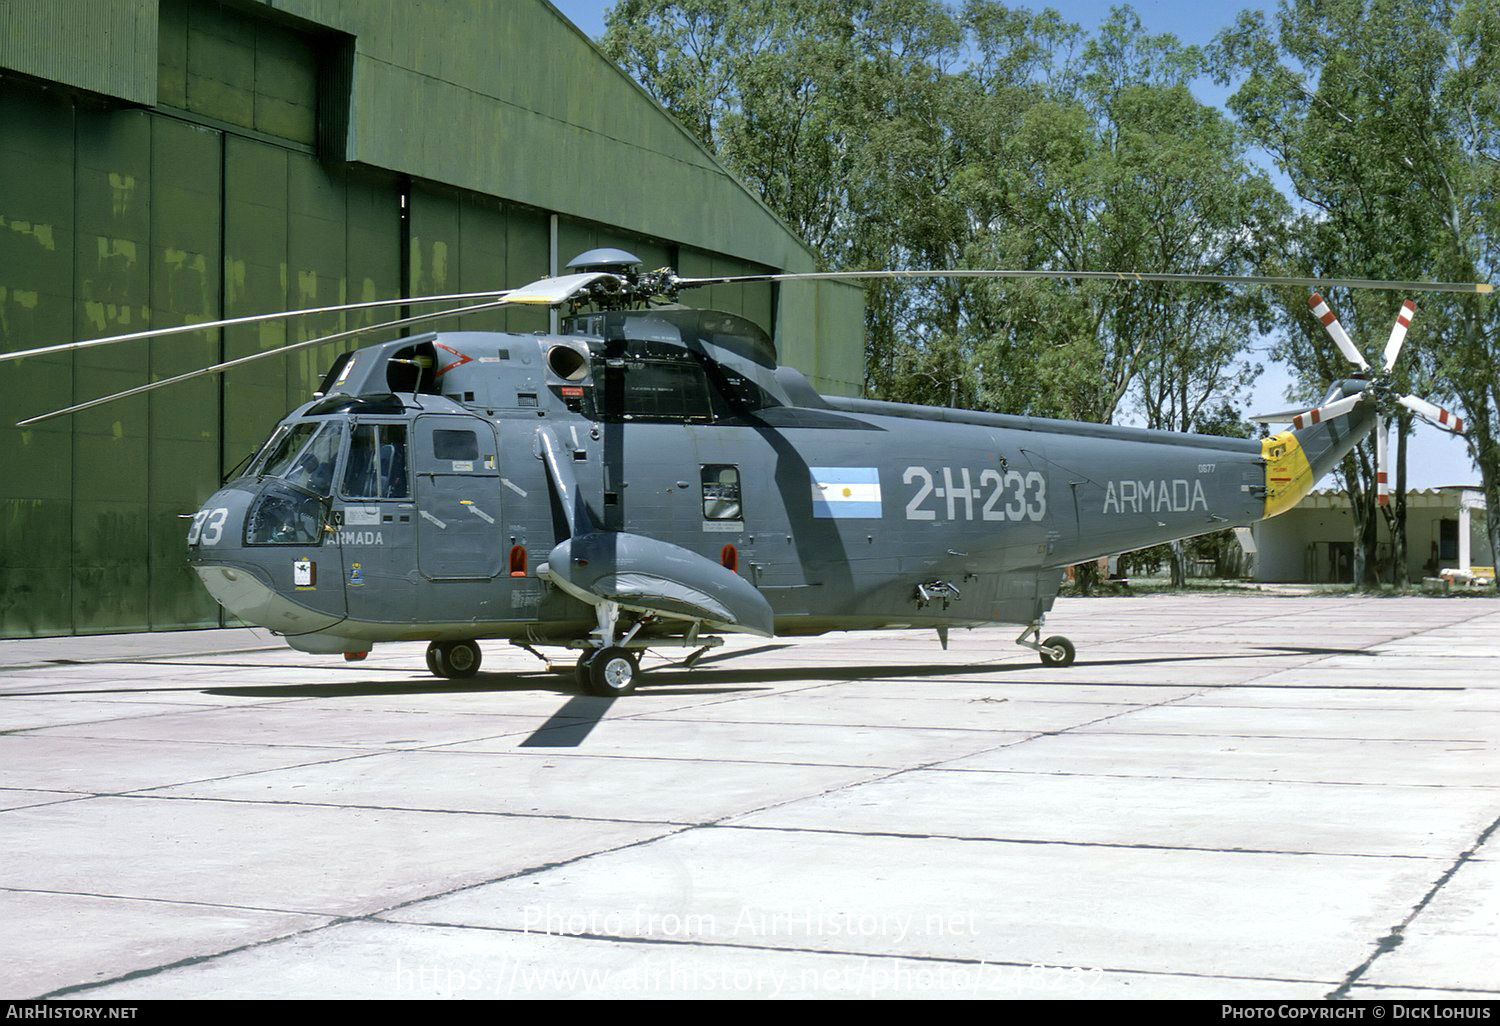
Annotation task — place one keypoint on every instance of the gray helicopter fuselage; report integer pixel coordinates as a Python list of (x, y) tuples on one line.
[(473, 485)]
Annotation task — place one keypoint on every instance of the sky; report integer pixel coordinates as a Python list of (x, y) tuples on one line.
[(1435, 458)]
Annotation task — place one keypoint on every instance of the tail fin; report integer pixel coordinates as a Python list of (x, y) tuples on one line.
[(1297, 460)]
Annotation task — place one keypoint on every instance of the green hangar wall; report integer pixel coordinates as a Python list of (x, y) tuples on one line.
[(170, 162)]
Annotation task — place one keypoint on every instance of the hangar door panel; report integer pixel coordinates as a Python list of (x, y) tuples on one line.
[(458, 498)]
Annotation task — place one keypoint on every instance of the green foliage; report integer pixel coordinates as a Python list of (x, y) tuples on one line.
[(1383, 116), (915, 134)]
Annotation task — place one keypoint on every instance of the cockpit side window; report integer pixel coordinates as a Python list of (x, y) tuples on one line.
[(377, 464)]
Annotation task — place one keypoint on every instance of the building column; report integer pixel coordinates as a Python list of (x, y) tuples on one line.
[(1463, 534)]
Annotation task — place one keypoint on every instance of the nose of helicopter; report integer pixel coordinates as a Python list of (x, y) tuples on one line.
[(257, 553)]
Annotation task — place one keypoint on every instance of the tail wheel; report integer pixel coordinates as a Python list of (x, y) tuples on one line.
[(456, 660), (610, 672), (1056, 645)]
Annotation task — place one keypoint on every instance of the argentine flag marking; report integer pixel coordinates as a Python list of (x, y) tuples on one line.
[(845, 492)]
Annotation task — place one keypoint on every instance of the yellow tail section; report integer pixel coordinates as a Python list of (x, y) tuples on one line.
[(1289, 476)]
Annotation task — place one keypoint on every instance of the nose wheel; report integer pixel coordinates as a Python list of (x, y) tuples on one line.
[(455, 660)]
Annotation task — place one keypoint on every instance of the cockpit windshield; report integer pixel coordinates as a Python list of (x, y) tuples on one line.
[(303, 455)]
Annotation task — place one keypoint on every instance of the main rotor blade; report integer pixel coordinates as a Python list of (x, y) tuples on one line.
[(220, 368), (1398, 334), (1336, 331), (556, 291), (253, 319), (1474, 288), (1436, 415)]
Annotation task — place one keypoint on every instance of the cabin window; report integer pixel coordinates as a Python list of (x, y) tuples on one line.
[(376, 468), (455, 446), (721, 492)]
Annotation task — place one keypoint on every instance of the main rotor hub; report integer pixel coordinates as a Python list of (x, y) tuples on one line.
[(629, 287)]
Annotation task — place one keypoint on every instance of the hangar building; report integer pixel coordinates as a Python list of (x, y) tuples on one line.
[(168, 162)]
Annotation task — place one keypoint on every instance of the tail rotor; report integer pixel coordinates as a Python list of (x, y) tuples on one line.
[(1377, 388)]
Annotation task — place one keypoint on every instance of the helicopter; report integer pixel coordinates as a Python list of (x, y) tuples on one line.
[(650, 477)]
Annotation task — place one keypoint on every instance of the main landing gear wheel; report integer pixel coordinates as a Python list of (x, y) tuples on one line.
[(456, 660), (1058, 644), (609, 672)]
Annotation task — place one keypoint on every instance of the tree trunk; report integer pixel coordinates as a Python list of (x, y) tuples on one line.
[(1179, 565), (1400, 577), (1086, 576), (1362, 507)]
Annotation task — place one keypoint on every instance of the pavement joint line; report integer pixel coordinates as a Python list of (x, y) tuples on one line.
[(388, 746), (1079, 728), (1393, 940), (145, 792), (831, 952), (171, 901), (355, 806), (1062, 842), (644, 714), (181, 963), (1310, 659), (519, 874), (74, 796), (1302, 737), (535, 753), (1418, 986), (1188, 776), (264, 703), (1408, 634), (857, 726), (185, 741), (935, 685), (368, 916), (62, 664)]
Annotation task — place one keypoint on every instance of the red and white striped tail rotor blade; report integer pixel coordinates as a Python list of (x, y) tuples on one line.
[(1434, 414), (1336, 331), (1329, 412), (1382, 477), (1398, 334)]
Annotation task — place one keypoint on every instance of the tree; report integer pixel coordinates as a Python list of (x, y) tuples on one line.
[(906, 134), (1383, 115)]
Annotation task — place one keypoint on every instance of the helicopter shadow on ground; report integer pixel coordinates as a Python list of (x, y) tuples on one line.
[(908, 671), (671, 680), (571, 724)]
